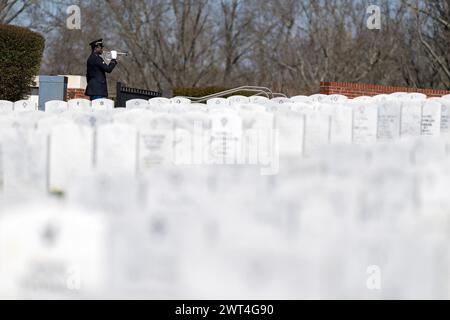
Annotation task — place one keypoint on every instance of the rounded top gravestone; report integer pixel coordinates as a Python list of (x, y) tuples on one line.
[(417, 96), (280, 101), (24, 105), (381, 97), (102, 104), (180, 100), (363, 98), (259, 100), (233, 100), (137, 104), (6, 105), (299, 98), (318, 97), (399, 95), (79, 104), (55, 106), (216, 102), (158, 102), (336, 98)]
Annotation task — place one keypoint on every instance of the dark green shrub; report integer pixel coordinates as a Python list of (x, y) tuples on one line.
[(20, 57), (205, 91)]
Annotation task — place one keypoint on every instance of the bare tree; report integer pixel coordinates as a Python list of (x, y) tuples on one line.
[(12, 9), (433, 31), (170, 42), (288, 45)]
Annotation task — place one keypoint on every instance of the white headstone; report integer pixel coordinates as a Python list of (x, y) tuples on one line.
[(318, 98), (303, 107), (17, 122), (102, 104), (159, 102), (46, 124), (116, 149), (132, 117), (381, 97), (24, 163), (325, 108), (399, 95), (260, 100), (389, 120), (192, 135), (280, 101), (258, 137), (6, 105), (153, 269), (337, 98), (362, 98), (341, 125), (226, 136), (431, 118), (52, 253), (79, 104), (137, 104), (8, 121), (86, 118), (251, 107), (33, 116), (235, 100), (365, 116), (71, 154), (180, 100), (290, 127), (55, 106), (301, 99), (417, 96), (275, 104), (317, 132), (196, 107), (411, 118), (445, 113), (216, 102), (156, 139), (24, 105)]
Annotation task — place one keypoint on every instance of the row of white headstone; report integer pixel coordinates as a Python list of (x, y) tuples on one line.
[(358, 222), (57, 105), (246, 134), (102, 104)]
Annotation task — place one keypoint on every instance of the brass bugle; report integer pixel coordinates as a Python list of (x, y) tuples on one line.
[(119, 53)]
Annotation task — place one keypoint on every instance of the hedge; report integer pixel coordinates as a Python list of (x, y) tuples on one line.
[(205, 91), (20, 57)]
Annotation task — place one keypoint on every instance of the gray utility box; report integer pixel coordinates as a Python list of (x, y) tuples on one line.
[(51, 88)]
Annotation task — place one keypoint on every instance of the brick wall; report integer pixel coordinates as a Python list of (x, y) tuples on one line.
[(73, 93), (353, 90)]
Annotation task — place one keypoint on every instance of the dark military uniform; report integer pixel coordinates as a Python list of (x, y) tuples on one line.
[(96, 75)]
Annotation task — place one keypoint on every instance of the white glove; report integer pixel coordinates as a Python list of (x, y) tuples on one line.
[(114, 55)]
